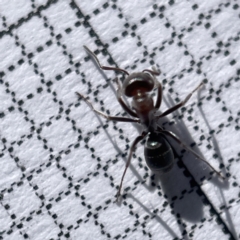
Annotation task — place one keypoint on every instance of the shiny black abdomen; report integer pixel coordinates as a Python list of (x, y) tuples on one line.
[(158, 153)]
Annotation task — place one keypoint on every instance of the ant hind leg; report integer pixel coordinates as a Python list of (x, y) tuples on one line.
[(132, 149), (175, 137)]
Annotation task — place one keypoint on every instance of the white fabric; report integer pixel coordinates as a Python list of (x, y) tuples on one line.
[(61, 163)]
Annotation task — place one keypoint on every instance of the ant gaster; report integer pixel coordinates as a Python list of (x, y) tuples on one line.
[(158, 152)]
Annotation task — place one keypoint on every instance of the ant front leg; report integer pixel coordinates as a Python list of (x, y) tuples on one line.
[(159, 95), (174, 108), (121, 101), (175, 137), (111, 118), (154, 71), (158, 85), (132, 149), (103, 67)]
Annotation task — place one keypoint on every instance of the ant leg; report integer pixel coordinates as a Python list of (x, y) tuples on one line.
[(111, 118), (153, 72), (159, 96), (174, 136), (132, 149), (158, 85), (103, 67), (174, 108), (121, 101)]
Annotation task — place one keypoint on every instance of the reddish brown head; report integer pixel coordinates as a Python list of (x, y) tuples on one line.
[(135, 83)]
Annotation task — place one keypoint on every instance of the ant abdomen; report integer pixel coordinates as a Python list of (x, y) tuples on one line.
[(158, 153)]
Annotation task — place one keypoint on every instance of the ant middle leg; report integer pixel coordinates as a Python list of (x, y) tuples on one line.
[(174, 108), (111, 118)]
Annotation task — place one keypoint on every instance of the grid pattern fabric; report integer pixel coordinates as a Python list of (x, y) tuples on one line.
[(61, 164)]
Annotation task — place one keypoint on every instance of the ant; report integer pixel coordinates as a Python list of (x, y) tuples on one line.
[(158, 152)]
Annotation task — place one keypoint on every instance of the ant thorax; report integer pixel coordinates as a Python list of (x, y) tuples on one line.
[(143, 104)]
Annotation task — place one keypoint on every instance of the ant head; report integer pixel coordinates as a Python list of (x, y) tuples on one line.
[(139, 82)]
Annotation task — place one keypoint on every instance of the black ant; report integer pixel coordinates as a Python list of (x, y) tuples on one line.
[(158, 152)]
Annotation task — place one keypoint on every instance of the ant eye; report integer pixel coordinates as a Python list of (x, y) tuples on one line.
[(138, 82)]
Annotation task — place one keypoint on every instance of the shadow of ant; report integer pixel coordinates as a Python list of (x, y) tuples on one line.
[(182, 184), (175, 182)]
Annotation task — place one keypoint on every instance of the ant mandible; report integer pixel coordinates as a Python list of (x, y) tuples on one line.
[(158, 152)]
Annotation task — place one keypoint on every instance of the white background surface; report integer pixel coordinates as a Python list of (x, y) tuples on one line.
[(61, 164)]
